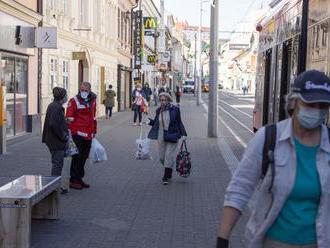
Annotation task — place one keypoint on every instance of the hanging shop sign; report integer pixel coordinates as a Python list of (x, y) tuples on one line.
[(138, 40), (150, 25), (151, 59), (46, 37)]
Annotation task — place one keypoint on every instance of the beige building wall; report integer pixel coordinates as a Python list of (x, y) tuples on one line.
[(87, 37)]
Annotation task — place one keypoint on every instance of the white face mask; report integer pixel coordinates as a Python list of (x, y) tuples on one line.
[(311, 118), (84, 94)]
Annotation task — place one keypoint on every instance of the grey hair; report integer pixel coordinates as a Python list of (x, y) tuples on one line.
[(87, 84), (291, 102), (167, 95)]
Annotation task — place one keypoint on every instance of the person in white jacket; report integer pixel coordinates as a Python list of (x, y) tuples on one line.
[(291, 208)]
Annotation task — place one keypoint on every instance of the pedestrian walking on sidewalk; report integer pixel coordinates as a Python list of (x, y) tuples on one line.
[(109, 102), (81, 114), (286, 165), (167, 128), (138, 102), (55, 133), (155, 96), (178, 94), (147, 92)]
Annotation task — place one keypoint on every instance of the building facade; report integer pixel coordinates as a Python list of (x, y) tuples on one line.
[(93, 46), (19, 67)]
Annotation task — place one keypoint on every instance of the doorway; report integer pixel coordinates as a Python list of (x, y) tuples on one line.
[(15, 78), (83, 72)]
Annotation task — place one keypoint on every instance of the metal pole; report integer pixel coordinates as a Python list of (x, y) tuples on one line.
[(199, 80), (195, 66), (303, 38), (213, 94)]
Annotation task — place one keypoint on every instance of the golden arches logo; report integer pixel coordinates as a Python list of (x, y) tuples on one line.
[(150, 23)]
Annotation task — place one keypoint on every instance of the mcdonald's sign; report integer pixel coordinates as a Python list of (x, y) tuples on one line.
[(150, 25)]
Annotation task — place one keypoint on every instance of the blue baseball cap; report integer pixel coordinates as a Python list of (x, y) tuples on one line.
[(313, 86)]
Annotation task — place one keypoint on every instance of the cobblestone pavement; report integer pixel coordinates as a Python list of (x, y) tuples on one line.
[(127, 206)]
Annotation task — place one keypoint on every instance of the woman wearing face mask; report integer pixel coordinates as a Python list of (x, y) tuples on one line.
[(139, 99), (167, 128), (292, 202)]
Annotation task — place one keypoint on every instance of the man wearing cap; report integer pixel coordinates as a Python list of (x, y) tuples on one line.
[(55, 133), (291, 207)]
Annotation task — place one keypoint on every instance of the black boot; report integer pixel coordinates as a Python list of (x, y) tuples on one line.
[(170, 173), (167, 175)]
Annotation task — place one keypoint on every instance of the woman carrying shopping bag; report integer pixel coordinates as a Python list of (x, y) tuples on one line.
[(168, 129)]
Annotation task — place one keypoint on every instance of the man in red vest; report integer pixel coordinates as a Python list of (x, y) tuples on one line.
[(81, 115)]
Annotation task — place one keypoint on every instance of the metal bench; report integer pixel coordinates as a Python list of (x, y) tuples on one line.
[(22, 199)]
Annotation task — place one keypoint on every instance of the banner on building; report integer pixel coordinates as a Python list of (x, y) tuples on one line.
[(150, 26), (138, 40)]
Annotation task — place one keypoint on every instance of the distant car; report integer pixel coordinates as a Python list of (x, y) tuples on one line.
[(205, 88), (189, 87)]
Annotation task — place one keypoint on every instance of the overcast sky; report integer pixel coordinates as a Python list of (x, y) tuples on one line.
[(231, 11)]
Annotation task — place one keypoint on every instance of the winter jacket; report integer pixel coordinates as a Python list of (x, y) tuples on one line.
[(84, 122), (264, 209), (109, 100), (55, 133), (175, 126)]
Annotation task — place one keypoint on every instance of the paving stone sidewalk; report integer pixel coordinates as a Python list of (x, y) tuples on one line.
[(127, 206)]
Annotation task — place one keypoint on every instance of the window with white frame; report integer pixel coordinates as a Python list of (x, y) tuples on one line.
[(97, 15), (118, 23), (52, 4), (65, 7), (97, 79), (83, 4), (65, 74), (53, 69)]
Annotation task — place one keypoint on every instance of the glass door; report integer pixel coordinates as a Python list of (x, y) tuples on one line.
[(14, 74)]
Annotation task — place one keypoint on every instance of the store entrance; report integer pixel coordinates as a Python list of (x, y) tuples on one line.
[(15, 77)]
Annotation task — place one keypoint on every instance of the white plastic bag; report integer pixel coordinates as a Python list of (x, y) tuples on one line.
[(97, 153), (143, 147), (71, 148)]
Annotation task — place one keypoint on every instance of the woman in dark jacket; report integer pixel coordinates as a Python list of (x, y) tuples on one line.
[(168, 129)]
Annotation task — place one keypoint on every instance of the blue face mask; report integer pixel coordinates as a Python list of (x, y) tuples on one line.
[(311, 118)]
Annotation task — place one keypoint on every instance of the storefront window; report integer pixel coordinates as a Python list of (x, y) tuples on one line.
[(65, 74), (14, 73)]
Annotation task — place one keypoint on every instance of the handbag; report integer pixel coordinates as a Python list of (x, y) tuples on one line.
[(168, 136), (183, 161)]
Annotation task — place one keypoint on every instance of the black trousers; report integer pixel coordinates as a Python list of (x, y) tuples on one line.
[(137, 112), (77, 170), (108, 111), (57, 162)]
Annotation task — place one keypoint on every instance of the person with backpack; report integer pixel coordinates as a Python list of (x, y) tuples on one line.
[(287, 167), (167, 129)]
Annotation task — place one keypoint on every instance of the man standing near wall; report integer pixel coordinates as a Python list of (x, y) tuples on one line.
[(81, 115)]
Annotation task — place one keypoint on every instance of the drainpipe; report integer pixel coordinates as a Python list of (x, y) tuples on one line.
[(303, 37)]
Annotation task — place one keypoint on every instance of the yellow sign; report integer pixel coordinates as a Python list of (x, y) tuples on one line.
[(78, 55), (150, 25), (152, 59), (2, 112)]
